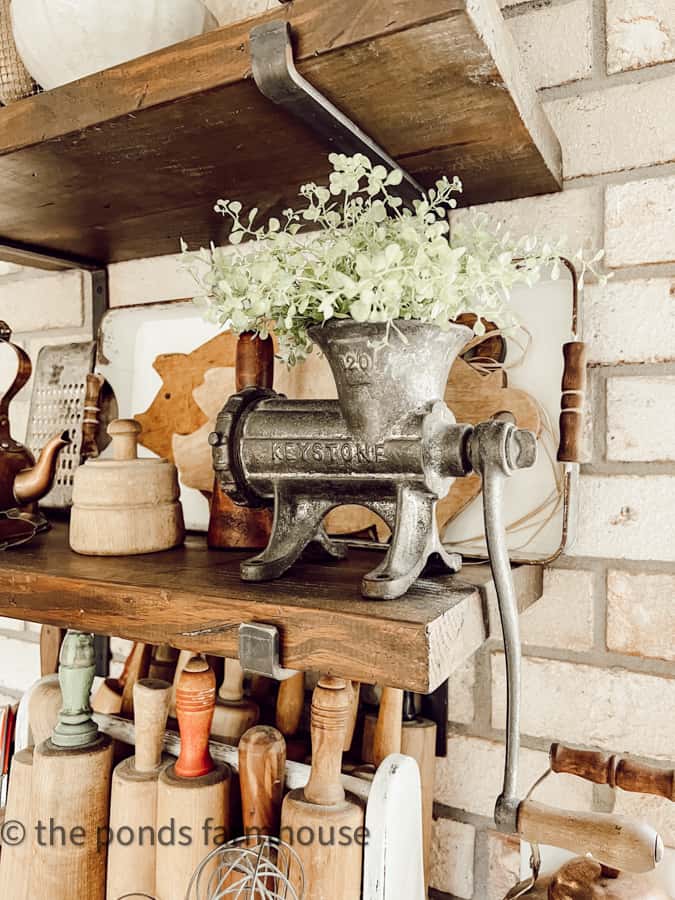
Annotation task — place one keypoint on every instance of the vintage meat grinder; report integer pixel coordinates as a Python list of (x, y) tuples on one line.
[(389, 443)]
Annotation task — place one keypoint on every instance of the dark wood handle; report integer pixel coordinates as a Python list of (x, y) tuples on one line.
[(90, 419), (255, 361), (572, 402), (616, 771)]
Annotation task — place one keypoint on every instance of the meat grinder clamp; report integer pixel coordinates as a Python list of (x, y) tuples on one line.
[(309, 456)]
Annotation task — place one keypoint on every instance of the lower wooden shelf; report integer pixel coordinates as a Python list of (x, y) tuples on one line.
[(193, 598)]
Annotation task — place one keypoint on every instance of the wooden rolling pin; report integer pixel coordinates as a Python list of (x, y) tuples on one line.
[(115, 695), (616, 771), (51, 639), (330, 871), (133, 804), (262, 775), (353, 716), (184, 658), (194, 794), (44, 705), (163, 663), (15, 859), (232, 526), (612, 840), (234, 713), (71, 789), (418, 740)]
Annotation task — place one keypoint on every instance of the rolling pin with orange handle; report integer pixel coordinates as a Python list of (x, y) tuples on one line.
[(616, 771), (573, 400), (332, 867), (133, 802), (232, 526), (193, 795)]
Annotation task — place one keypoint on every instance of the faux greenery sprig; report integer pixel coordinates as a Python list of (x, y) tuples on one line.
[(372, 260)]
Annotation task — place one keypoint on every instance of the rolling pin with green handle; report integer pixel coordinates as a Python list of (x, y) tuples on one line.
[(616, 771)]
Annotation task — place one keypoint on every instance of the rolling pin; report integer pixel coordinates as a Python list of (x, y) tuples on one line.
[(387, 736), (353, 716), (616, 771), (51, 639), (184, 658), (262, 775), (71, 789), (332, 868), (288, 716), (232, 526), (194, 793), (115, 696), (15, 859), (44, 705), (418, 739), (133, 803), (234, 713), (370, 700)]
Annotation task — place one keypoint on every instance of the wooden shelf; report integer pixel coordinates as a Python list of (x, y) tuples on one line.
[(193, 598), (121, 164)]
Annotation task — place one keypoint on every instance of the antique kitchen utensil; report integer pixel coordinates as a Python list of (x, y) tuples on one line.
[(616, 771), (44, 705), (65, 398), (194, 793), (18, 527), (234, 713), (395, 454), (262, 775), (586, 879), (115, 695), (133, 801), (290, 704), (392, 860), (387, 736), (163, 663), (125, 505), (353, 716), (23, 481), (71, 787), (15, 859), (232, 526), (7, 726), (51, 639), (330, 871), (418, 740)]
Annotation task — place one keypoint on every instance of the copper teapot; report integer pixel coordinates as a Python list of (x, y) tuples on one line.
[(586, 879), (23, 481)]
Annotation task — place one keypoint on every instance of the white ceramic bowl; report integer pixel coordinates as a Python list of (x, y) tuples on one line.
[(63, 40)]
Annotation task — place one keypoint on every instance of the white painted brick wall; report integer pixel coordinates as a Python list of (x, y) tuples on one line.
[(626, 517), (641, 614), (469, 778), (38, 303), (640, 420), (503, 854), (451, 858), (630, 321), (563, 618), (461, 686), (590, 143), (614, 709), (19, 663), (660, 813), (639, 33), (555, 43), (640, 222)]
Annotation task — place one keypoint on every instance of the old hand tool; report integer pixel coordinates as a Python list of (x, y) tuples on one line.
[(234, 713), (133, 802), (70, 796), (193, 794), (396, 454), (616, 771), (332, 859), (495, 448)]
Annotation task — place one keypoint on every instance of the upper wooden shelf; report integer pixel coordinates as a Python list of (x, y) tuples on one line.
[(121, 164), (193, 598)]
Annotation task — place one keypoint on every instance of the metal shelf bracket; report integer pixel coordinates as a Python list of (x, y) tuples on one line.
[(278, 79)]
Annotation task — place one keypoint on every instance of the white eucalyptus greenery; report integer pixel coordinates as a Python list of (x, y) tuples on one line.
[(372, 260)]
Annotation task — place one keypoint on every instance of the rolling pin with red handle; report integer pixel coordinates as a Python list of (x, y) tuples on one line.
[(616, 771), (311, 814), (133, 802), (193, 795)]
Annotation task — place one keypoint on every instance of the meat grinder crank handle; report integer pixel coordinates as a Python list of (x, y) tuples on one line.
[(496, 449)]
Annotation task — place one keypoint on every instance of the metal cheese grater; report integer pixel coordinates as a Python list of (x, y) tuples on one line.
[(57, 403)]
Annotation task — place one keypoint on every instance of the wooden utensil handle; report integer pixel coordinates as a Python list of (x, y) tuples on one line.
[(90, 420), (262, 774), (387, 738), (616, 771), (290, 704), (255, 361), (330, 710), (195, 703), (232, 688), (151, 710), (613, 840), (572, 402)]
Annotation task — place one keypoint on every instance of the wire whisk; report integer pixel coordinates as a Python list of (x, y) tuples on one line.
[(249, 868)]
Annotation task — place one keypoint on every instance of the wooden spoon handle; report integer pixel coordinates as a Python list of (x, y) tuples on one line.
[(387, 738), (151, 709), (90, 419), (612, 840), (330, 710), (290, 704), (255, 361), (616, 771), (262, 770)]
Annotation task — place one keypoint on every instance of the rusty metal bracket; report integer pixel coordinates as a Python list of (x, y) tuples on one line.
[(278, 79)]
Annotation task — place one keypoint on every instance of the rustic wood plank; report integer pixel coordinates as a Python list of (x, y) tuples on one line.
[(121, 164), (192, 598)]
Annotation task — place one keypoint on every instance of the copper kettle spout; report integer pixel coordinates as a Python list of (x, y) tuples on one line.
[(30, 485)]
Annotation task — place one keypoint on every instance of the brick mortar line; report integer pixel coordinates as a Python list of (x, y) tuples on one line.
[(647, 271), (597, 83), (635, 566), (599, 659), (28, 637), (516, 10), (622, 176), (617, 468)]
